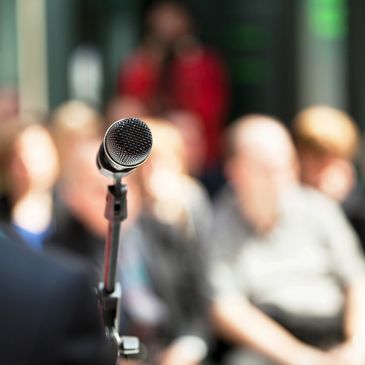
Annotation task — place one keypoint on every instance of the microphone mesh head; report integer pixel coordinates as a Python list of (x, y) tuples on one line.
[(128, 142)]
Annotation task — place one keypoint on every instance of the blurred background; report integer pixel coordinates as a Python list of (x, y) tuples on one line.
[(281, 54), (69, 68)]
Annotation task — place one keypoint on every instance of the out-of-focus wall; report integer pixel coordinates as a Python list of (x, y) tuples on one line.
[(8, 50), (357, 60), (61, 27), (322, 35), (32, 52), (258, 39), (106, 30), (281, 54)]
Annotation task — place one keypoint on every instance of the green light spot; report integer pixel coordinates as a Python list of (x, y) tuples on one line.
[(328, 18)]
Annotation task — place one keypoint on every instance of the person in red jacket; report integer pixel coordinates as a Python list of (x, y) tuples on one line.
[(173, 70)]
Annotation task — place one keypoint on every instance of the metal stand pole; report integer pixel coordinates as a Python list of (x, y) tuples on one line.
[(109, 292)]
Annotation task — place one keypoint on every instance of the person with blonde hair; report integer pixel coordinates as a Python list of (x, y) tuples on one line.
[(327, 140), (328, 144)]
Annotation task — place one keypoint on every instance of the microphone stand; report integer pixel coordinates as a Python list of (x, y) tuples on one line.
[(109, 291)]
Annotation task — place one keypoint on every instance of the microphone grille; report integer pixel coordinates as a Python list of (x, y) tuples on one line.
[(128, 142)]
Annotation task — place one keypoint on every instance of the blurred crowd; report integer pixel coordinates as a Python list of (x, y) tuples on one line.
[(245, 239)]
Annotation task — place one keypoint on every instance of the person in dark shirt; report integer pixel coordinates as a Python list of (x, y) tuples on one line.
[(48, 312)]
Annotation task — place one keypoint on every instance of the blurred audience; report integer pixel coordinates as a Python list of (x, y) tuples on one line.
[(172, 69), (172, 196), (164, 293), (30, 167), (328, 141), (72, 123), (190, 128), (164, 290), (60, 322), (80, 225), (286, 268), (124, 107)]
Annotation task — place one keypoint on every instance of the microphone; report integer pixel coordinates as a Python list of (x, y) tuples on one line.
[(126, 145)]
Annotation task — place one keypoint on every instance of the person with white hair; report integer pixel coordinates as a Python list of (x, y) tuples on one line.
[(286, 268)]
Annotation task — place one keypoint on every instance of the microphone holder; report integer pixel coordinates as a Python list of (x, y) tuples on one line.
[(109, 291)]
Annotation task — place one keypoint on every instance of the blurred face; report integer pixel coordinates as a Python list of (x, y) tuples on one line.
[(329, 174), (169, 22), (161, 172), (312, 165), (162, 176), (84, 190), (256, 186), (190, 129), (35, 162), (167, 151), (259, 172)]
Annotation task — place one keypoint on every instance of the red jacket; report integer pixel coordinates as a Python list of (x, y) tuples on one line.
[(197, 83)]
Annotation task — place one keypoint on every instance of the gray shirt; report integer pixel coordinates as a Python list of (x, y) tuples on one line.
[(302, 266)]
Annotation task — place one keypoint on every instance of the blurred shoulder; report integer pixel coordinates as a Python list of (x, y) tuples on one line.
[(28, 267), (228, 224), (307, 195), (225, 199), (313, 205), (195, 189)]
